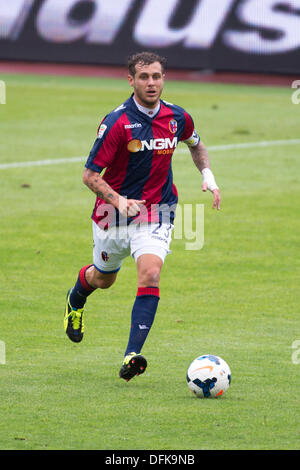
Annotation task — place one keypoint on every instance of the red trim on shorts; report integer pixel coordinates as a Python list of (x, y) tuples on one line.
[(148, 291), (83, 280)]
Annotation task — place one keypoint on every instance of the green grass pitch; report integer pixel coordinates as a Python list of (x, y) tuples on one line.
[(238, 297)]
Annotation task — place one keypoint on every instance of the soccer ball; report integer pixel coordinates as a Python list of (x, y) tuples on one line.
[(208, 376)]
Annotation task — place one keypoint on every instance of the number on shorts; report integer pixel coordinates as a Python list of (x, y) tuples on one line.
[(166, 233)]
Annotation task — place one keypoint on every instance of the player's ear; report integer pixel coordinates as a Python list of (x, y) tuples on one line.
[(130, 79)]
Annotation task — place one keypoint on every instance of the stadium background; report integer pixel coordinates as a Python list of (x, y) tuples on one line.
[(250, 291), (213, 35)]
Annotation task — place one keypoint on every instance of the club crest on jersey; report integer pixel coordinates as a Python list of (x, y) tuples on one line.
[(104, 256), (173, 126)]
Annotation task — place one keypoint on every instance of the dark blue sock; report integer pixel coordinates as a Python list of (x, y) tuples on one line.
[(81, 290), (142, 317)]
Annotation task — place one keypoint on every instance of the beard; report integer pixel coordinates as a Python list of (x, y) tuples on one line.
[(149, 100)]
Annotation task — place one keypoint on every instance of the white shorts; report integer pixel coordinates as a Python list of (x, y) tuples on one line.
[(113, 245)]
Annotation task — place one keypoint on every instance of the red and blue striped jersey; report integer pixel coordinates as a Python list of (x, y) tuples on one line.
[(136, 152)]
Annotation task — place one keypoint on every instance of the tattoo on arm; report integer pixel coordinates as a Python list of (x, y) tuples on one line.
[(100, 194), (200, 156), (96, 184)]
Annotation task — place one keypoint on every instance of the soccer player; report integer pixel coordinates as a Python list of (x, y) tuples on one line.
[(136, 199)]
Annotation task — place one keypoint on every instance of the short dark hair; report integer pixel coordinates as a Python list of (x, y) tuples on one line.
[(145, 58)]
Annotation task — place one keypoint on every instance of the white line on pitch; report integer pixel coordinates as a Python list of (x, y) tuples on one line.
[(216, 148), (248, 145), (55, 161)]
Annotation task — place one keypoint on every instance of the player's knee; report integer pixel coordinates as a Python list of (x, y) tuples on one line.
[(150, 276)]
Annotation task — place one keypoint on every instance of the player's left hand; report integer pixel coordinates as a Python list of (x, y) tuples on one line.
[(216, 195), (217, 199)]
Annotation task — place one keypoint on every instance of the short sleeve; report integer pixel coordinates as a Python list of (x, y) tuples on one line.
[(189, 135), (106, 146)]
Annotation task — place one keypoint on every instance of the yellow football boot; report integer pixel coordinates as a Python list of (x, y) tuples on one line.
[(133, 364), (73, 321)]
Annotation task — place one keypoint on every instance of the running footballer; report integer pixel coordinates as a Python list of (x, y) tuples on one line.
[(129, 170)]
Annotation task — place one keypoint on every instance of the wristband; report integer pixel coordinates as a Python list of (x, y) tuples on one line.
[(209, 178)]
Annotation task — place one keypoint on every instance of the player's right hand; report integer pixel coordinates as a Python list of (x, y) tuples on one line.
[(130, 207)]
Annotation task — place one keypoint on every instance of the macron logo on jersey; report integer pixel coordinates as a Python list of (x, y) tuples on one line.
[(162, 145), (133, 126)]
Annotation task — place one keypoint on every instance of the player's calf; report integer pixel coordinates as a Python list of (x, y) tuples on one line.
[(99, 280)]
